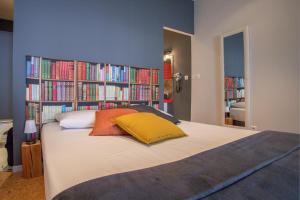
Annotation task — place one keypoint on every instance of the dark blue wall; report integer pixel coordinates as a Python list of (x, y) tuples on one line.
[(6, 50), (112, 31), (234, 55)]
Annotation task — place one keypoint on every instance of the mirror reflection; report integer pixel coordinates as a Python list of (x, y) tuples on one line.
[(234, 76)]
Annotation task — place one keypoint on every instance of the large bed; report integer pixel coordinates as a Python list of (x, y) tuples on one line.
[(72, 157)]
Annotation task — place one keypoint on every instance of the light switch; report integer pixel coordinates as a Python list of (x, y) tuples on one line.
[(186, 77)]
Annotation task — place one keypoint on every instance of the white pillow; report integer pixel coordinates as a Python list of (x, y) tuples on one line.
[(76, 119)]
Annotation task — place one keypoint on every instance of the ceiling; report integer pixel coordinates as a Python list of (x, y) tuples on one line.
[(7, 9)]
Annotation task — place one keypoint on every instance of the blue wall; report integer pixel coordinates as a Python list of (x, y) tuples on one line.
[(6, 49), (112, 31), (234, 55)]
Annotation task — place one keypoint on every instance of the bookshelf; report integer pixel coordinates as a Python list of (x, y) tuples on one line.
[(56, 85), (234, 89)]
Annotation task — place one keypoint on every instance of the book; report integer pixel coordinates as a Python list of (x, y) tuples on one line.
[(49, 112), (33, 92), (57, 91), (32, 67), (58, 70), (116, 73), (90, 71)]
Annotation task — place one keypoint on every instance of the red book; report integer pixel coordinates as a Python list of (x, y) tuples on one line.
[(30, 92), (88, 92), (53, 70), (54, 91)]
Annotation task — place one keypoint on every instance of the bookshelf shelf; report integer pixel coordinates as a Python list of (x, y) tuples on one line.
[(51, 83), (90, 101), (120, 83), (32, 78), (88, 81), (57, 80)]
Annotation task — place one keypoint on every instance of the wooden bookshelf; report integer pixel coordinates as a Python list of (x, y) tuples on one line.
[(76, 102)]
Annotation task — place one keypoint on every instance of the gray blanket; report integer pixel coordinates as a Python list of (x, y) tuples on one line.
[(261, 166)]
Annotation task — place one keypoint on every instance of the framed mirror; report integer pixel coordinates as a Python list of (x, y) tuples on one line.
[(235, 78)]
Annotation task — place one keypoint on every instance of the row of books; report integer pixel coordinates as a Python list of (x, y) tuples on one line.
[(49, 112), (117, 93), (58, 70), (140, 92), (155, 76), (32, 112), (115, 73), (32, 67), (155, 93), (234, 82), (90, 71), (33, 92), (90, 92), (57, 91), (140, 76), (102, 105), (234, 94)]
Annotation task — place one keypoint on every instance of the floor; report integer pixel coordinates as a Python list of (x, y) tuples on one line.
[(14, 187)]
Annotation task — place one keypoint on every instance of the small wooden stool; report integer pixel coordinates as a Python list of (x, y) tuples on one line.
[(32, 160)]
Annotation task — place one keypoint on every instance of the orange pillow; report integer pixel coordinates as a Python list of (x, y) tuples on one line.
[(105, 121)]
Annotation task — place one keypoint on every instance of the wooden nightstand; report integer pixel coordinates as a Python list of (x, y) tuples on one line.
[(32, 160)]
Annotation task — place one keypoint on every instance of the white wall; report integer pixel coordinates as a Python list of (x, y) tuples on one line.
[(274, 59)]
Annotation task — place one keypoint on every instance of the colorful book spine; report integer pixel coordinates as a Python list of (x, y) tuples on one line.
[(155, 76), (140, 93), (155, 93), (89, 71), (116, 73), (49, 112), (57, 91), (32, 112), (90, 92), (139, 76), (58, 70), (33, 92), (32, 67), (117, 93)]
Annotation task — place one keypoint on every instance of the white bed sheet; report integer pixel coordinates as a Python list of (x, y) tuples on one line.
[(238, 114), (71, 156)]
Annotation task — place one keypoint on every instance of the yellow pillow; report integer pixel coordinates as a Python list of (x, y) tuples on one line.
[(148, 128)]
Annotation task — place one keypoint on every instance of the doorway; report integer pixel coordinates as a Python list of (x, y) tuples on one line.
[(177, 74)]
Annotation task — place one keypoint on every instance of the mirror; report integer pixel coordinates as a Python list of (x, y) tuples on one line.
[(235, 101)]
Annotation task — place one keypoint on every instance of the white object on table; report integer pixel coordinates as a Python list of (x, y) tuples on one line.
[(5, 125)]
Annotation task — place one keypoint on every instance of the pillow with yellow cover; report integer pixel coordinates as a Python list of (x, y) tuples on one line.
[(148, 128)]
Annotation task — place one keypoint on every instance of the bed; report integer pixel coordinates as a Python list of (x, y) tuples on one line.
[(72, 158)]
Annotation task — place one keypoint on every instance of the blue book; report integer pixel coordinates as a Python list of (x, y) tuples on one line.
[(28, 68)]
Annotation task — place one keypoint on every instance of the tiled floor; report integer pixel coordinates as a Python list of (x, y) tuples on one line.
[(17, 188)]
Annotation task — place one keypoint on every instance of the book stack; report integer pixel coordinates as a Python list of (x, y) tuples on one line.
[(90, 92), (155, 93), (57, 91), (116, 73), (33, 92), (58, 70), (49, 112), (91, 107), (118, 93), (140, 76), (140, 92), (155, 76), (32, 112), (90, 71), (33, 67)]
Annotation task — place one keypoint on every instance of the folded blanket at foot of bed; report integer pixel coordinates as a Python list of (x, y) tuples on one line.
[(261, 166)]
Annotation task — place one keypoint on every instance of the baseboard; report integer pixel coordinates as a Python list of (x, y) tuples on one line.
[(17, 168)]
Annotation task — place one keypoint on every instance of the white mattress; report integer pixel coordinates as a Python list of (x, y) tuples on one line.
[(71, 156), (238, 114)]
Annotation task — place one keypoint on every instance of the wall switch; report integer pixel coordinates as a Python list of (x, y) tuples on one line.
[(186, 77)]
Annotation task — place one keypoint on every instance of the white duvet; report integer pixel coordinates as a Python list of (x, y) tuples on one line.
[(71, 156)]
